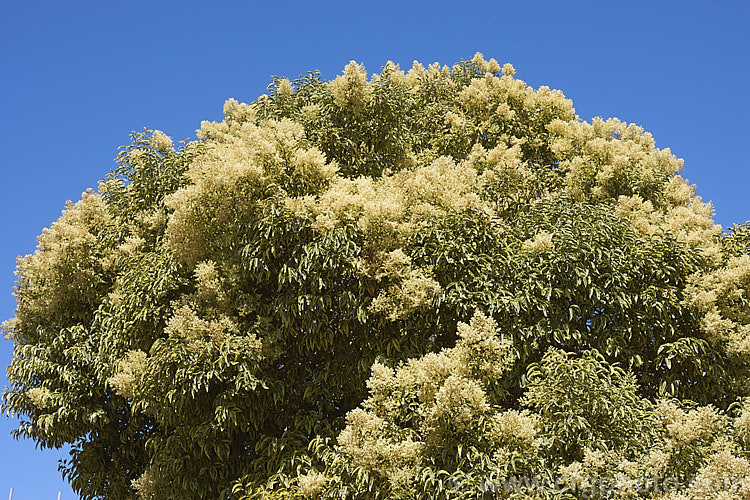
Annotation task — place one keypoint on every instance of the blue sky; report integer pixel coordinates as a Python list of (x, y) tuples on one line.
[(77, 77)]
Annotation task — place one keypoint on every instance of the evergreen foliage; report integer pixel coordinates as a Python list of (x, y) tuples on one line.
[(416, 284)]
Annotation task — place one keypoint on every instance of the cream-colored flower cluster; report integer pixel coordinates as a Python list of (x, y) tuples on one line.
[(540, 243), (721, 297), (414, 292), (352, 88), (612, 160), (196, 332), (130, 368), (40, 397), (725, 476), (242, 160), (161, 141), (311, 484), (47, 272), (371, 442), (393, 203), (692, 458), (451, 387)]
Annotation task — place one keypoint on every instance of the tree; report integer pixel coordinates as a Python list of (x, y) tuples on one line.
[(422, 282)]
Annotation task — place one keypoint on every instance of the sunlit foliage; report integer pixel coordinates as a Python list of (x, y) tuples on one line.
[(407, 284)]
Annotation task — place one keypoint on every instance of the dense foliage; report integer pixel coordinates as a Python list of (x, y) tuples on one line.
[(417, 284)]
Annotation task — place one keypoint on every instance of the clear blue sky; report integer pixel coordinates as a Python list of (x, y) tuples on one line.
[(77, 77)]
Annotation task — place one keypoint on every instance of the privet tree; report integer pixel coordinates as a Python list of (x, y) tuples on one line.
[(415, 284)]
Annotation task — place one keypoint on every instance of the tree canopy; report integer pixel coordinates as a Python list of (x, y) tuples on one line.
[(413, 284)]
